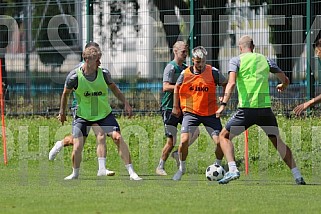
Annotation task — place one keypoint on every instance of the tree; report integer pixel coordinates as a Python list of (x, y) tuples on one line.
[(202, 7), (167, 8)]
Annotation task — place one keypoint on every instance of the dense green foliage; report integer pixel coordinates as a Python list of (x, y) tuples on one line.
[(32, 184)]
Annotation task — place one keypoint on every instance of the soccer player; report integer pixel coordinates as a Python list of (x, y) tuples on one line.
[(250, 72), (298, 109), (170, 75), (195, 97), (68, 140), (90, 83)]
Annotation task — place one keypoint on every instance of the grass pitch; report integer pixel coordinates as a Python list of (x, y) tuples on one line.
[(32, 184)]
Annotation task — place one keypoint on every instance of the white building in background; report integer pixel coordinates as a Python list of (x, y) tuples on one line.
[(138, 48)]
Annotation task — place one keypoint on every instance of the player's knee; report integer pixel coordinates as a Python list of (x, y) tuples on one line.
[(184, 138), (100, 137), (68, 140), (117, 138), (223, 134)]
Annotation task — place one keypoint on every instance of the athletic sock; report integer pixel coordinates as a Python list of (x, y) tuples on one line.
[(296, 173), (59, 144), (232, 166), (75, 172), (102, 163), (130, 168), (161, 164), (182, 166), (218, 162)]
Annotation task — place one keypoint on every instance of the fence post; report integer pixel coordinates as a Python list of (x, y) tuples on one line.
[(309, 75), (89, 19), (192, 29)]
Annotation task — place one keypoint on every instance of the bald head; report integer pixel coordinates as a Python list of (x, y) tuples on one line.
[(246, 43)]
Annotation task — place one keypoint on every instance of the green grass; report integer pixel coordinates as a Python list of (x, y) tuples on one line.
[(32, 184)]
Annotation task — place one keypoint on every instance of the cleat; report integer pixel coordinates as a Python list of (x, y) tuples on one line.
[(176, 157), (160, 171), (71, 177), (135, 177), (105, 172), (178, 175), (55, 150), (229, 176), (300, 181)]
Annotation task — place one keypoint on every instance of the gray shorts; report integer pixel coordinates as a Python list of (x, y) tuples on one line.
[(246, 117), (74, 112), (170, 123), (191, 121), (81, 127)]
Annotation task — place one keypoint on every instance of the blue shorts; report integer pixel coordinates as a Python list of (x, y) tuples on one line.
[(170, 123), (81, 127), (246, 117), (191, 121)]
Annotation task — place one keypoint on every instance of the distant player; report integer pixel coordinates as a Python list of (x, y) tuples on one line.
[(170, 75), (300, 108)]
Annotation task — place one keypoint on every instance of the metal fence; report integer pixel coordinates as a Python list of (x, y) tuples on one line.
[(41, 41)]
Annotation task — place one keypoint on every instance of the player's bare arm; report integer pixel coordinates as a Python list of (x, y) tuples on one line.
[(176, 106), (228, 92), (63, 104), (284, 81), (302, 107), (168, 87), (120, 96)]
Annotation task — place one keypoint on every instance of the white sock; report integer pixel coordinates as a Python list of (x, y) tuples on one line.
[(102, 163), (232, 166), (130, 168), (59, 144), (218, 162), (161, 164), (75, 171), (296, 173), (182, 165)]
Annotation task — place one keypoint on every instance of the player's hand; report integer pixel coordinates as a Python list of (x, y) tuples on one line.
[(281, 87), (176, 112), (219, 111), (62, 118), (300, 108), (128, 110)]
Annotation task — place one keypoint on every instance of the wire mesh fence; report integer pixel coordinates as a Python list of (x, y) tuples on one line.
[(42, 41)]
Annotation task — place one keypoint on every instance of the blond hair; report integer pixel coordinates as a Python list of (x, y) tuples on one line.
[(199, 52), (91, 53), (178, 45)]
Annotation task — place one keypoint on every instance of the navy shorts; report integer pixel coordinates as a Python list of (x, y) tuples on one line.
[(191, 121), (81, 127), (246, 117), (170, 123)]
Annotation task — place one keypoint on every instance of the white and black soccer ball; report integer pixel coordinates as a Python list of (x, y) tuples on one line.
[(214, 172)]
